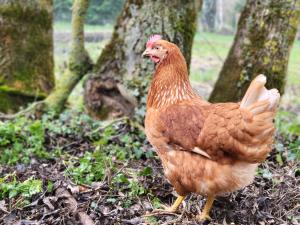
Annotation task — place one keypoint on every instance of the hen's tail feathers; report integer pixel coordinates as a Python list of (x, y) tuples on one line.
[(258, 99), (262, 103)]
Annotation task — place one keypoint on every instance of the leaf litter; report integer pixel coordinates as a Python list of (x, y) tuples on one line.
[(133, 185)]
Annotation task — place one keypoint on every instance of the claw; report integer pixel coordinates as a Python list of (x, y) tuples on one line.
[(168, 209)]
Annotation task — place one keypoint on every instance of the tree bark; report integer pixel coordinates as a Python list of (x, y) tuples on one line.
[(121, 76), (79, 61), (26, 52), (266, 32)]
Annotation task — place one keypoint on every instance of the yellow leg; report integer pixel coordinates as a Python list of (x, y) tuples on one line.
[(205, 213), (177, 203), (167, 209)]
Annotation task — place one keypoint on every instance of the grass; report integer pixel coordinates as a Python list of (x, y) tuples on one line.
[(208, 54), (294, 64), (214, 48), (66, 27)]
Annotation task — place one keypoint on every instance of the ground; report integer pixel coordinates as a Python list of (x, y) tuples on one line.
[(110, 172), (70, 169)]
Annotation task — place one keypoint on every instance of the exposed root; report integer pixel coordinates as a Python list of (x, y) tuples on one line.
[(35, 109)]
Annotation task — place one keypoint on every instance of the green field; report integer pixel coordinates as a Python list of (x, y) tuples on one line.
[(66, 27), (214, 47)]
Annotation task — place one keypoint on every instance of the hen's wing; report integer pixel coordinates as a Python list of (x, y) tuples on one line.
[(182, 123), (242, 131)]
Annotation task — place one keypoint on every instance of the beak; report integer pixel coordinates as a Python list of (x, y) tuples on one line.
[(146, 52)]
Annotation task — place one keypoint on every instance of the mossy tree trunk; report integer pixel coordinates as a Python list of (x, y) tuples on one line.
[(121, 75), (26, 52), (79, 61), (266, 32)]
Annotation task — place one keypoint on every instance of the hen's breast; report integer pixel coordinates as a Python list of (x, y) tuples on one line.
[(189, 172)]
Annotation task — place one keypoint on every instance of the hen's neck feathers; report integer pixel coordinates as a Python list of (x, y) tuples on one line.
[(170, 82)]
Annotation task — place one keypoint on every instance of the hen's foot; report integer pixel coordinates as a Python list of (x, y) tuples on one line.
[(166, 210), (169, 210)]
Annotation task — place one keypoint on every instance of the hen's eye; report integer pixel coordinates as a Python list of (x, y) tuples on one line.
[(155, 47)]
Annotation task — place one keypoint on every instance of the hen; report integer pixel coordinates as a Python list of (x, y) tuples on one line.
[(205, 148)]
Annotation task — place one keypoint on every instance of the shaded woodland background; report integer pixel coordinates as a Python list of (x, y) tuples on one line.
[(73, 89)]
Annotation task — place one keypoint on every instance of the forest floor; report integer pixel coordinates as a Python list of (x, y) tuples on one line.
[(72, 169)]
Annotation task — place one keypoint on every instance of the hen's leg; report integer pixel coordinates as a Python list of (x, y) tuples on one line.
[(176, 204), (205, 213), (172, 209)]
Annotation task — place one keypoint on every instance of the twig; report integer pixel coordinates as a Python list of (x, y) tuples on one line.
[(109, 123), (49, 213), (160, 213)]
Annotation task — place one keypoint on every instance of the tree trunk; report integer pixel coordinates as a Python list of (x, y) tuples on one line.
[(121, 76), (209, 15), (26, 52), (266, 32), (79, 61)]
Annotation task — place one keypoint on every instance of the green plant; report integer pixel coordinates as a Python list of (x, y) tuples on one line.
[(21, 139), (10, 187), (288, 123), (122, 146), (89, 168), (265, 173), (152, 220), (156, 202), (130, 184), (147, 171), (135, 189), (294, 150)]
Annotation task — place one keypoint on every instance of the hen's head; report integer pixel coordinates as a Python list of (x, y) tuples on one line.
[(158, 50)]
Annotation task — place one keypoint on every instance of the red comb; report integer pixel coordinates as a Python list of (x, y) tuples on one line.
[(153, 39)]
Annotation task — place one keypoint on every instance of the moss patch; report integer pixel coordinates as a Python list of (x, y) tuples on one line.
[(26, 47), (26, 53), (11, 100)]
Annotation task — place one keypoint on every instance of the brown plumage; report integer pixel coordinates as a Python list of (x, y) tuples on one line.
[(205, 148)]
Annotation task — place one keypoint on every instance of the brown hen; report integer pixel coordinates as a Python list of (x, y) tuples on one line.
[(205, 148)]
